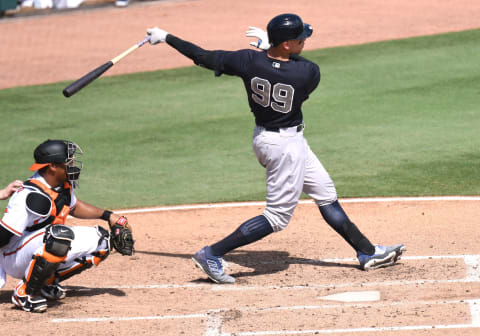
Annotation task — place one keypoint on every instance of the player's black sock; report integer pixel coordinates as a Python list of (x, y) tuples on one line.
[(252, 230), (338, 220)]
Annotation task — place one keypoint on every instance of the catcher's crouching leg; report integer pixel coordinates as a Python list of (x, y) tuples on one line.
[(41, 269), (87, 261)]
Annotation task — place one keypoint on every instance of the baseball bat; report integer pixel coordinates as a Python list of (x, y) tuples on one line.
[(94, 74)]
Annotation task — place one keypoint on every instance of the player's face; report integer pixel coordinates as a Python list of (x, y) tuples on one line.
[(296, 46), (60, 172)]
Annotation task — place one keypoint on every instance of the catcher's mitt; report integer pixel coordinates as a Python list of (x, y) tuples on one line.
[(121, 237)]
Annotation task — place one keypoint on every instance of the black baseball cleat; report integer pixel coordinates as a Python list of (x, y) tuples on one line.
[(33, 304), (29, 303), (53, 292)]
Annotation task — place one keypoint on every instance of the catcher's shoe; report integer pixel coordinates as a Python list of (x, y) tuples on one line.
[(53, 292), (212, 266), (384, 256), (29, 303)]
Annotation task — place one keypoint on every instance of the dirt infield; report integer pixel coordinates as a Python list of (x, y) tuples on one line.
[(284, 282)]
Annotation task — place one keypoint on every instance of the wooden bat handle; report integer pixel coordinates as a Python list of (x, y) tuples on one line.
[(128, 51)]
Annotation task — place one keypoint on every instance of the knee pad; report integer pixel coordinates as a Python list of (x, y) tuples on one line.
[(88, 261), (104, 246), (58, 239), (104, 238)]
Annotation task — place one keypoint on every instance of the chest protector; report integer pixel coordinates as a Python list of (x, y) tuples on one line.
[(45, 201)]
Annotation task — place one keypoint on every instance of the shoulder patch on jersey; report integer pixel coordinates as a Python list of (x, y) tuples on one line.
[(39, 204)]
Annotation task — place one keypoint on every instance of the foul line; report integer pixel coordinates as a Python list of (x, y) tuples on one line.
[(133, 318), (472, 263), (346, 200)]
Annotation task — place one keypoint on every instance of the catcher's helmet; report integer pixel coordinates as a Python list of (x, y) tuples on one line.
[(286, 27), (59, 151)]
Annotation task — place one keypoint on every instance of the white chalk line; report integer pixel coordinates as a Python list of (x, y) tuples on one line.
[(474, 306), (352, 330), (214, 329), (346, 200), (344, 285), (215, 317), (214, 324), (226, 288), (133, 318), (475, 311), (342, 260), (215, 321), (471, 261)]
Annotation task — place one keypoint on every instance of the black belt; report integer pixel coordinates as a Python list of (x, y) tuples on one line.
[(277, 129)]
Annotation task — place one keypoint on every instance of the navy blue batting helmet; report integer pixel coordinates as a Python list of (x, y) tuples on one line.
[(286, 27)]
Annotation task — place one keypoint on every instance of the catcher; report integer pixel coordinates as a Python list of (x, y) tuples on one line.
[(35, 244)]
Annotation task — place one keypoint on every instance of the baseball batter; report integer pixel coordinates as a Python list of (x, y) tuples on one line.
[(35, 244), (277, 82)]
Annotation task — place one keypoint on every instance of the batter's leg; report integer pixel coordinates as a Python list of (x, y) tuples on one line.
[(284, 160), (338, 220), (252, 230), (320, 187), (370, 256), (209, 258)]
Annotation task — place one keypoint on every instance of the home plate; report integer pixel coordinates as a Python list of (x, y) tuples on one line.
[(364, 296)]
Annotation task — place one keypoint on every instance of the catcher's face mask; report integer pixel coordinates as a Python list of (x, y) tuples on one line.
[(72, 163)]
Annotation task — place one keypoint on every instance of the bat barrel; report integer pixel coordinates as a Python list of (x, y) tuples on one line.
[(94, 74), (85, 80)]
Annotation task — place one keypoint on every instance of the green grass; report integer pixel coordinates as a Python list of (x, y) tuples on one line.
[(391, 118)]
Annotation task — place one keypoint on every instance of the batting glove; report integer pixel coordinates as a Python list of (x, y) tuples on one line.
[(157, 35), (262, 37)]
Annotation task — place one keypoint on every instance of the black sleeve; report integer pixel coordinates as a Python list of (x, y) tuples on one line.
[(201, 57), (5, 236)]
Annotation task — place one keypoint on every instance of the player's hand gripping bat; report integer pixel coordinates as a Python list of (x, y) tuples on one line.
[(94, 74)]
